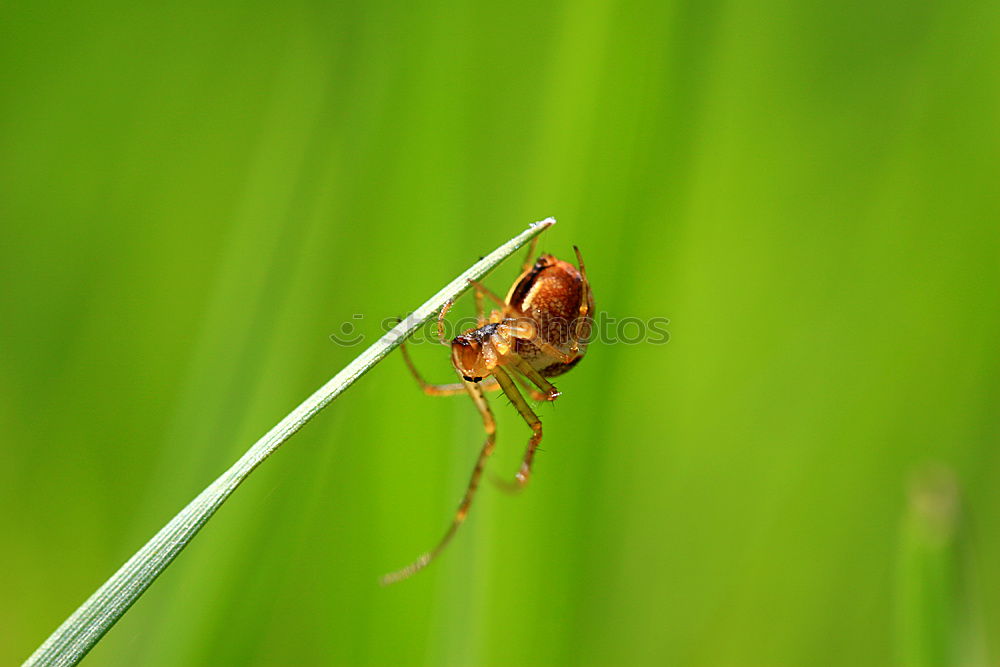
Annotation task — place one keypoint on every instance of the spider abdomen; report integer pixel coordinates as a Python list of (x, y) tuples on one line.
[(550, 295)]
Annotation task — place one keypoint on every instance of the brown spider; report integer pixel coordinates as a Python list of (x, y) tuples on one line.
[(541, 330)]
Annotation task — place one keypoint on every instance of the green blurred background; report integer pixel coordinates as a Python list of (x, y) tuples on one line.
[(194, 197)]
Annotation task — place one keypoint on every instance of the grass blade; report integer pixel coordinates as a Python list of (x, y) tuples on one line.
[(84, 628)]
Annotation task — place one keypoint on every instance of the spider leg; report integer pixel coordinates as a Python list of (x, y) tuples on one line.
[(495, 315), (548, 390), (585, 300), (482, 289), (440, 324), (510, 389), (528, 261), (551, 349), (476, 392), (534, 393), (489, 384), (480, 316)]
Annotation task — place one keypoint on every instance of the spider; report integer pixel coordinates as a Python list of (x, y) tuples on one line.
[(541, 330)]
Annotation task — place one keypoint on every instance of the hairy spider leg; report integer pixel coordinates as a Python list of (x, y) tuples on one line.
[(534, 393), (510, 389), (489, 424), (548, 390)]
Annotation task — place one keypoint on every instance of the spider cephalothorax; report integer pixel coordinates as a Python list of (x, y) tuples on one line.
[(540, 331), (476, 353)]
